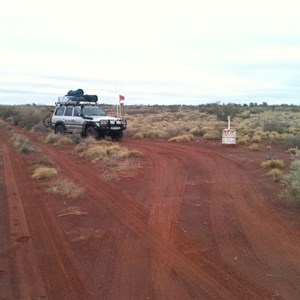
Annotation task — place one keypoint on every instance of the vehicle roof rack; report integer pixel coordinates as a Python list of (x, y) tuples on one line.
[(75, 103)]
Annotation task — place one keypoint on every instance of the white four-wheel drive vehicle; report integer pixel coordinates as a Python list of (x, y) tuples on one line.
[(85, 118)]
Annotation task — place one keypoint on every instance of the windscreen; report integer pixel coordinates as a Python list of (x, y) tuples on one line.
[(93, 111)]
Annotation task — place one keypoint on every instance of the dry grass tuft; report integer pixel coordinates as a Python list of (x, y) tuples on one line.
[(104, 151), (59, 140), (254, 147), (273, 163), (44, 172), (23, 144), (66, 188), (182, 138), (276, 174), (256, 139), (51, 139)]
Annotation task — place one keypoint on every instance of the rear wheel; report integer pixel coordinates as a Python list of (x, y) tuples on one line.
[(59, 129), (91, 132)]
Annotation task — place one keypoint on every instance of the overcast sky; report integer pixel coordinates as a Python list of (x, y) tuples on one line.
[(152, 52)]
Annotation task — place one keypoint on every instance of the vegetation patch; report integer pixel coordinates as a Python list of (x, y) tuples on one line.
[(43, 173), (59, 140), (275, 173), (104, 151), (273, 163), (292, 180), (182, 138), (66, 188), (23, 144), (254, 147)]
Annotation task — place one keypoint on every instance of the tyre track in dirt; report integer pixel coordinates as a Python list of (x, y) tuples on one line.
[(181, 153), (201, 273), (247, 228), (44, 268), (185, 271), (258, 230)]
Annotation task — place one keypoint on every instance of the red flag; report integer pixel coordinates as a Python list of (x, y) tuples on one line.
[(121, 98)]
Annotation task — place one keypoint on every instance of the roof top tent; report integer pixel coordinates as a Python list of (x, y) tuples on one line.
[(229, 134)]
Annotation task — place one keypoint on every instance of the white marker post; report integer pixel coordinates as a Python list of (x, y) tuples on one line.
[(229, 134)]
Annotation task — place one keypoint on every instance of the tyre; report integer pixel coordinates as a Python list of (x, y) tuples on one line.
[(47, 121), (91, 132), (59, 129), (117, 136)]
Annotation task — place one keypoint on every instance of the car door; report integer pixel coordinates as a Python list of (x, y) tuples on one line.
[(78, 120), (68, 118)]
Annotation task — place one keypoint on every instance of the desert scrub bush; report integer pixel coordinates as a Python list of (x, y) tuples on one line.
[(256, 139), (154, 134), (254, 147), (242, 140), (275, 173), (65, 140), (273, 163), (225, 110), (196, 131), (138, 136), (66, 188), (44, 172), (292, 141), (276, 124), (294, 152), (182, 138), (292, 180), (104, 151), (213, 135), (60, 140), (27, 116), (51, 138), (7, 111), (23, 144)]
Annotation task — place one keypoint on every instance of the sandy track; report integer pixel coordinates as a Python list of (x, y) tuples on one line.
[(191, 223)]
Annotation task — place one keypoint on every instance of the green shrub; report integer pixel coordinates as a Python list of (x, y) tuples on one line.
[(292, 180), (27, 116), (293, 141), (276, 124), (7, 111)]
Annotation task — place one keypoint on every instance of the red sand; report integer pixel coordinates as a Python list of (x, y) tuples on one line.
[(190, 221)]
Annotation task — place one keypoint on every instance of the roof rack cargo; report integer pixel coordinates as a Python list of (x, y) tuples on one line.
[(73, 100), (63, 101)]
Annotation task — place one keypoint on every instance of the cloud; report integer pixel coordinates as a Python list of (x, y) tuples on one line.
[(153, 52)]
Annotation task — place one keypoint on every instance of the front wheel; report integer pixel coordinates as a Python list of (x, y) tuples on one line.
[(91, 132), (117, 136), (59, 129)]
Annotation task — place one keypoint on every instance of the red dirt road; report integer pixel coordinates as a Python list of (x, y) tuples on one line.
[(191, 221)]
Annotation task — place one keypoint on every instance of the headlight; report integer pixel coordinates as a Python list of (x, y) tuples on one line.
[(103, 122), (124, 122)]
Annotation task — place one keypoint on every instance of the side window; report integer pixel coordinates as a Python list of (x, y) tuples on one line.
[(59, 111), (77, 111), (69, 111)]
